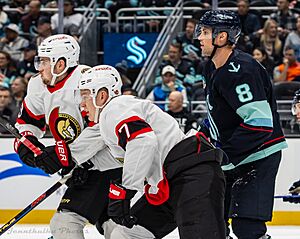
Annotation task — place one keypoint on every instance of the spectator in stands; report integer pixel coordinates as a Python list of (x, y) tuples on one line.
[(73, 22), (289, 70), (15, 16), (250, 23), (29, 21), (122, 68), (184, 118), (185, 70), (44, 30), (26, 67), (262, 57), (268, 39), (169, 83), (128, 90), (285, 18), (19, 90), (12, 42), (293, 39), (7, 70), (190, 47), (6, 111), (4, 20)]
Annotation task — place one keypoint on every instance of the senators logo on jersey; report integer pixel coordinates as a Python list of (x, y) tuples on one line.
[(64, 126)]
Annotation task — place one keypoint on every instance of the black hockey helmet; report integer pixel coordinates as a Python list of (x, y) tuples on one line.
[(296, 100), (220, 21)]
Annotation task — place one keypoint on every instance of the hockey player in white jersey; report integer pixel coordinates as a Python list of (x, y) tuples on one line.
[(52, 100), (180, 176)]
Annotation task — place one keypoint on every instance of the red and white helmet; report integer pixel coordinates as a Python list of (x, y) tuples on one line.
[(102, 76), (98, 77), (56, 47)]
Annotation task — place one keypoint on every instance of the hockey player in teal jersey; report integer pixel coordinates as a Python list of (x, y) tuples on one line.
[(243, 118)]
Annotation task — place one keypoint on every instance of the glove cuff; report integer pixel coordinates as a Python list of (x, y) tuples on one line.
[(118, 192), (63, 153), (17, 142)]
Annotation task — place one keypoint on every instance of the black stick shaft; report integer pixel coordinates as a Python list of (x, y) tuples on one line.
[(16, 133), (32, 205)]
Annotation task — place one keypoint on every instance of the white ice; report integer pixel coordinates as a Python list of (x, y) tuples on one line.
[(42, 232)]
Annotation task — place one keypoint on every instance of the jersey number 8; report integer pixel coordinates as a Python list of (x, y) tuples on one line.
[(244, 93)]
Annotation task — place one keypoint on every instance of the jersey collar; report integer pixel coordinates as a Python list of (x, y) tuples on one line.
[(60, 84)]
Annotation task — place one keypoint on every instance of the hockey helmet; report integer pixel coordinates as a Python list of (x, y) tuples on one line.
[(220, 21), (56, 47), (296, 100), (98, 77)]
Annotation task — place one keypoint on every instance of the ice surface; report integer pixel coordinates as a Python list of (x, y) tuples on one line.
[(43, 232)]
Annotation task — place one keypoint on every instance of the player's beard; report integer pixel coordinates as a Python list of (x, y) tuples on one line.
[(45, 81)]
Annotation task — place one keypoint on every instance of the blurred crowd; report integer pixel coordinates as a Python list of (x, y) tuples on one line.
[(273, 40)]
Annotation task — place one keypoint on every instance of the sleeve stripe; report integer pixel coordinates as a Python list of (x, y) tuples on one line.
[(260, 122), (32, 115), (142, 131), (20, 121), (273, 140), (256, 129), (130, 128)]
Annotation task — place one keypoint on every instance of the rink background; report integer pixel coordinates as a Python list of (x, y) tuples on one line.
[(19, 186)]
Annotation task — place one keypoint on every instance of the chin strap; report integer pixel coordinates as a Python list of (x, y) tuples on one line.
[(54, 76)]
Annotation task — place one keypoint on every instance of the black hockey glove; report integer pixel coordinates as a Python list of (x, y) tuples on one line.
[(55, 158), (25, 154), (79, 177), (294, 190), (119, 205), (204, 127)]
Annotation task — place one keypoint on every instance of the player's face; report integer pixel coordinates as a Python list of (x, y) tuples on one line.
[(44, 68), (87, 104), (205, 39)]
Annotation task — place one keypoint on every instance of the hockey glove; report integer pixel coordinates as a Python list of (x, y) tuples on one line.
[(295, 188), (79, 177), (119, 205), (204, 127), (26, 154), (55, 158)]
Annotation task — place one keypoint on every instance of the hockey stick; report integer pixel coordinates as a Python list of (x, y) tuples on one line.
[(32, 205), (23, 139), (287, 196), (43, 196)]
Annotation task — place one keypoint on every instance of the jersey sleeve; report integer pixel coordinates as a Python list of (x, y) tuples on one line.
[(139, 142), (246, 95), (32, 114), (87, 144)]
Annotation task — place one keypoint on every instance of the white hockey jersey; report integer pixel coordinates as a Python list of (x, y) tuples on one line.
[(90, 146), (140, 135), (55, 106), (59, 108)]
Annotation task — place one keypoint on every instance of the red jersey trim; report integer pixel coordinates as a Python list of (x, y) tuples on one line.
[(256, 129), (32, 115), (134, 134), (60, 84)]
